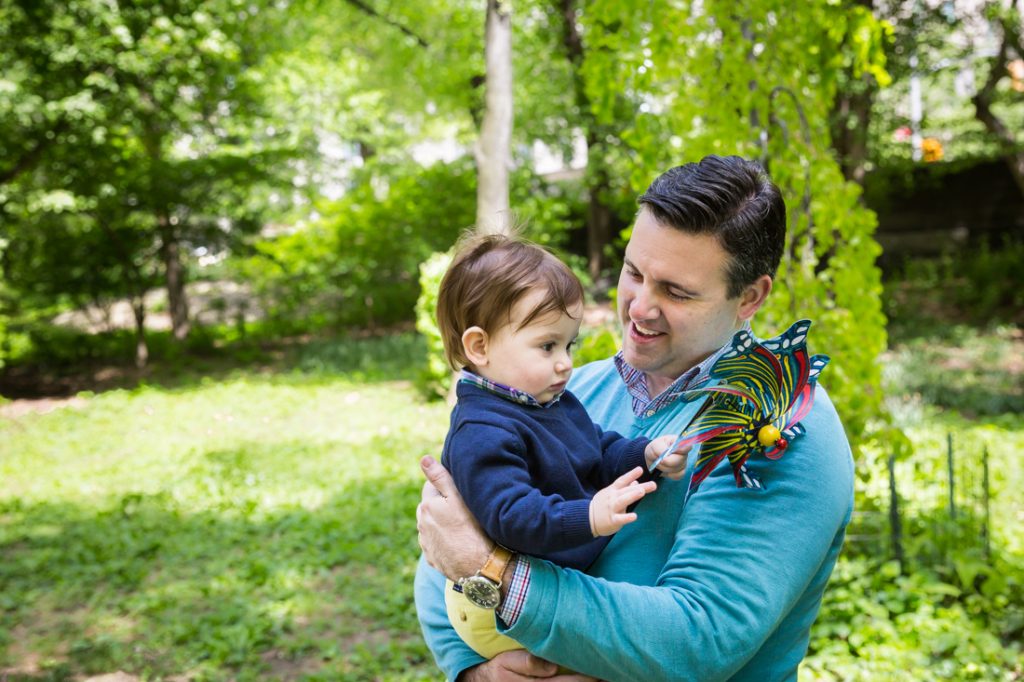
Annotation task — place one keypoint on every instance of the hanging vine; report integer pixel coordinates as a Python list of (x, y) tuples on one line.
[(704, 80)]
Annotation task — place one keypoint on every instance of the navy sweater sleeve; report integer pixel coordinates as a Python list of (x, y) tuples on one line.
[(492, 474), (620, 455)]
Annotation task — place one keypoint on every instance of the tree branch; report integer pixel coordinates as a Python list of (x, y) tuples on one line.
[(28, 159), (363, 7), (1012, 154)]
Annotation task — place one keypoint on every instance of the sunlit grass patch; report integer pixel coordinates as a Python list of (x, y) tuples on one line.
[(252, 527)]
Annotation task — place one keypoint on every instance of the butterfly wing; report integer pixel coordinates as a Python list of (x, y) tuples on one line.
[(751, 367), (804, 400)]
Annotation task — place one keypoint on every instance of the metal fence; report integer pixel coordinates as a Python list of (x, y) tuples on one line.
[(942, 509)]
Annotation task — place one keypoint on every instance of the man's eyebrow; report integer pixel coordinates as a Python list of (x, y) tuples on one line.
[(668, 284)]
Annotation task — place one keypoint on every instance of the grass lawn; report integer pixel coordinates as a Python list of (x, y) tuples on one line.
[(258, 524)]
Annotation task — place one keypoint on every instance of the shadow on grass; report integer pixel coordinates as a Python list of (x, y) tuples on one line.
[(149, 586), (64, 370)]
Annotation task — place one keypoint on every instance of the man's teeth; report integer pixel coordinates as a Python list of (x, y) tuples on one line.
[(644, 331)]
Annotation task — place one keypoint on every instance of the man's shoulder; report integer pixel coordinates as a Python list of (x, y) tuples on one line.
[(823, 449), (593, 375), (824, 419)]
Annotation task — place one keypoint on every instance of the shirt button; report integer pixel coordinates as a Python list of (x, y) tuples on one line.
[(650, 413)]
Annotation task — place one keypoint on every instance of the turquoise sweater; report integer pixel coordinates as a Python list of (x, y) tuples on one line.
[(722, 587)]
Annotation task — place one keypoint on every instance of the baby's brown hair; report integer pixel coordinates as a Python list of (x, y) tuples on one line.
[(487, 277)]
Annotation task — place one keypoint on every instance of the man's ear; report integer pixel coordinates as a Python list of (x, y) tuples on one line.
[(754, 296), (474, 345)]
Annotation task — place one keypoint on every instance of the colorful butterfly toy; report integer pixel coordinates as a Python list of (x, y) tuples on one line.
[(764, 389)]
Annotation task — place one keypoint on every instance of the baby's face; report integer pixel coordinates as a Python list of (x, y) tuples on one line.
[(537, 358)]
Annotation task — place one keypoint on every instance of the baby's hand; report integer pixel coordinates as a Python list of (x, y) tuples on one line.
[(608, 508), (674, 464)]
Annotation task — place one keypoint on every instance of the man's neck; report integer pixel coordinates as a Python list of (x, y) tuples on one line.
[(656, 384)]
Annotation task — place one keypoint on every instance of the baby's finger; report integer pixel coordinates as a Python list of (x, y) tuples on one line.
[(628, 478), (630, 495), (622, 519)]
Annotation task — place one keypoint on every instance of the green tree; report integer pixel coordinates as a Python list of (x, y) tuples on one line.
[(150, 118), (760, 83)]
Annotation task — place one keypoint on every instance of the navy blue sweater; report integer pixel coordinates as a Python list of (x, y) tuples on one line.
[(528, 473)]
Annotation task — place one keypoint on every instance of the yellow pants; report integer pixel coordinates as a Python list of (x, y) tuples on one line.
[(476, 626)]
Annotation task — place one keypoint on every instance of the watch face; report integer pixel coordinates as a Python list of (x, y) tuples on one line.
[(481, 591)]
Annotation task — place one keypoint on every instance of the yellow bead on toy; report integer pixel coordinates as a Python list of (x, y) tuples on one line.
[(768, 435)]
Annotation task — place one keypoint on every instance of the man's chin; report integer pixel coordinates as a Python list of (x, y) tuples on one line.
[(636, 358)]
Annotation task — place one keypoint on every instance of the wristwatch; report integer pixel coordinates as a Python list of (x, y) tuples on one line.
[(484, 588)]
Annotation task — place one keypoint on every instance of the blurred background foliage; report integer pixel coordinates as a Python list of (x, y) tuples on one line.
[(222, 224)]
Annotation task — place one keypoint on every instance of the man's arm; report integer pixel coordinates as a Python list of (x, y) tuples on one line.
[(450, 652), (445, 510)]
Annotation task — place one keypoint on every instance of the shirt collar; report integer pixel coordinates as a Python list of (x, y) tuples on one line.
[(636, 382), (503, 391)]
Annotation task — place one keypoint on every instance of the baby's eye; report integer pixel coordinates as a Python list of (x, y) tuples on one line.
[(572, 344), (548, 347)]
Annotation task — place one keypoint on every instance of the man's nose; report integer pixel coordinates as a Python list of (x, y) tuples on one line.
[(643, 306)]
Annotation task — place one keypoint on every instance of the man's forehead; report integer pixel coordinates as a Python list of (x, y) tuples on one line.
[(693, 264)]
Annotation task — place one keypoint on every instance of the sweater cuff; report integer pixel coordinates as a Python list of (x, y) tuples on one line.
[(576, 528), (518, 586), (636, 457)]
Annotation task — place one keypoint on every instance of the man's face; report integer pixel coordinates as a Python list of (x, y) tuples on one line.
[(672, 300)]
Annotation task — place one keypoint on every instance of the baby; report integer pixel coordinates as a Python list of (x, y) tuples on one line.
[(539, 476)]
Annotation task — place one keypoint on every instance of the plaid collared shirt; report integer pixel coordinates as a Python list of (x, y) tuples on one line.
[(506, 392), (636, 382)]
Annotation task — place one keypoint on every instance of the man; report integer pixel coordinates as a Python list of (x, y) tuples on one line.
[(723, 584)]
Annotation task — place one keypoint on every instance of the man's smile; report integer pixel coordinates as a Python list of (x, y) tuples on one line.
[(645, 332)]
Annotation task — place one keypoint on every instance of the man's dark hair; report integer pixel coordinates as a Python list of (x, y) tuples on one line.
[(732, 199)]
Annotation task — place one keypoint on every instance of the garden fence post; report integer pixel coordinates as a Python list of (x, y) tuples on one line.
[(952, 476), (895, 524), (986, 519)]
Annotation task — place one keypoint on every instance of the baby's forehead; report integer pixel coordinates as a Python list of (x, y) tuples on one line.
[(539, 320)]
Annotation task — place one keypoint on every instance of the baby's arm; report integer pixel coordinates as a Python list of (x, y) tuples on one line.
[(491, 471)]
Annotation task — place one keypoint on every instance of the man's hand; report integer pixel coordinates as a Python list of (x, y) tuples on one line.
[(451, 539), (674, 464), (608, 508), (518, 666)]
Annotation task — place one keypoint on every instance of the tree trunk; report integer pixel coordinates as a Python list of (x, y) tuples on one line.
[(850, 116), (1012, 154), (174, 273), (493, 148), (141, 349), (600, 219), (851, 113)]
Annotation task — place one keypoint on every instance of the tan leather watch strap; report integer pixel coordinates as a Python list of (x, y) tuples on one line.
[(494, 567)]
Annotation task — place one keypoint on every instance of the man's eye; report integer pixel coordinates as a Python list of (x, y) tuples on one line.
[(678, 296)]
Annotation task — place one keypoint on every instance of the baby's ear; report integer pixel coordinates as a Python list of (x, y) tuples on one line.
[(474, 345)]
